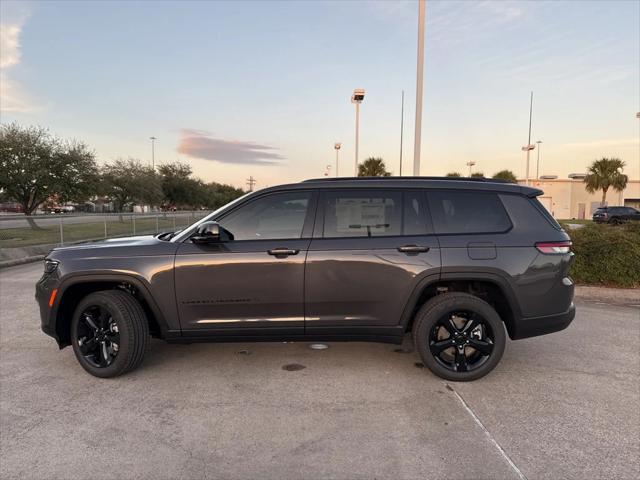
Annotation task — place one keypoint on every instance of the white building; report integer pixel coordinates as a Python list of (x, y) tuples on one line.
[(568, 199)]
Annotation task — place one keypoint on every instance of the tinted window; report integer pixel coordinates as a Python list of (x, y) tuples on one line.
[(278, 216), (413, 220), (467, 212), (362, 213)]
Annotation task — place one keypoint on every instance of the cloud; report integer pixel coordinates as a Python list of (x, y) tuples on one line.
[(12, 96), (199, 144)]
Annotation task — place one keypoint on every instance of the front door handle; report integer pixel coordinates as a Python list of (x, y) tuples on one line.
[(413, 249), (282, 252)]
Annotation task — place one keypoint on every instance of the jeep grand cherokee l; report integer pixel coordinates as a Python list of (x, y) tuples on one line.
[(459, 263)]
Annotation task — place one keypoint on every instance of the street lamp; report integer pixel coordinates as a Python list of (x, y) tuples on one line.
[(419, 84), (337, 147), (538, 161), (153, 152), (528, 147), (357, 97), (470, 164)]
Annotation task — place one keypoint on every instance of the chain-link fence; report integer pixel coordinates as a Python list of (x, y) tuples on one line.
[(18, 231)]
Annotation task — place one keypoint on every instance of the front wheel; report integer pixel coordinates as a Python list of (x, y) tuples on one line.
[(460, 337), (109, 333)]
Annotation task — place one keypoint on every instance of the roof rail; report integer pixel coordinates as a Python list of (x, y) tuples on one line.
[(457, 179)]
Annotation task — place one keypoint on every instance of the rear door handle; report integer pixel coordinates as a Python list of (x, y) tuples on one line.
[(282, 252), (413, 249)]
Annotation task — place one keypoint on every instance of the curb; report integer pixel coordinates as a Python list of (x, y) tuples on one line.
[(21, 261)]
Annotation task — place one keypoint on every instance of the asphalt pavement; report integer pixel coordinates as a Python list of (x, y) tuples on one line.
[(564, 405)]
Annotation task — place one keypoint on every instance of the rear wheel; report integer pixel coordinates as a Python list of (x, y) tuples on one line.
[(459, 337), (109, 333)]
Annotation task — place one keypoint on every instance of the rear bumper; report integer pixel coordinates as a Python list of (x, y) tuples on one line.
[(536, 326)]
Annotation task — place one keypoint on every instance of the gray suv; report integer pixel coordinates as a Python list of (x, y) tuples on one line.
[(459, 263)]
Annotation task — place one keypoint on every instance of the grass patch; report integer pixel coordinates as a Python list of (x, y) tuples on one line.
[(607, 255), (76, 232)]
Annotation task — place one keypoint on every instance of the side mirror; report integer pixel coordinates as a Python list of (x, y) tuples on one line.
[(207, 232)]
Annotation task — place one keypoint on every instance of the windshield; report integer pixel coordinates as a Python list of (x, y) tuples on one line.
[(181, 235)]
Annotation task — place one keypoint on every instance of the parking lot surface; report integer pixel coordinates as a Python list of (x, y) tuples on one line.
[(560, 406)]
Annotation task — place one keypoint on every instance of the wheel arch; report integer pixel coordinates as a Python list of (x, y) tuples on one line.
[(72, 289), (488, 286)]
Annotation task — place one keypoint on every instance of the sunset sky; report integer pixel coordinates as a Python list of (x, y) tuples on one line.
[(262, 88)]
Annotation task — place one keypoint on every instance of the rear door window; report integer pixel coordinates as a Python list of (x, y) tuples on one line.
[(362, 213), (467, 212)]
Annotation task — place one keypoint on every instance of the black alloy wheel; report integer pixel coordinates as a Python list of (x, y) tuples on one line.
[(461, 341), (459, 336), (109, 333), (98, 336)]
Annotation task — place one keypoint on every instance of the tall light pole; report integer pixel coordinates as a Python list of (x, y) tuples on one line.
[(538, 161), (470, 164), (401, 129), (357, 97), (420, 70), (528, 147), (153, 152), (337, 147)]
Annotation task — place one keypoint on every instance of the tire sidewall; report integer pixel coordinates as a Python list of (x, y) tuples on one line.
[(124, 329), (448, 303)]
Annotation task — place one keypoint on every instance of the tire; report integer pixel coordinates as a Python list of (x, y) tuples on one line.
[(490, 337), (118, 342), (615, 221)]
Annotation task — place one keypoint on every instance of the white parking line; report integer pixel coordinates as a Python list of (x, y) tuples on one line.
[(488, 434)]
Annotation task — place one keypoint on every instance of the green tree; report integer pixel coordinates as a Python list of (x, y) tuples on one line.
[(373, 167), (454, 174), (179, 189), (604, 174), (35, 165), (507, 175), (129, 182), (217, 194), (477, 175)]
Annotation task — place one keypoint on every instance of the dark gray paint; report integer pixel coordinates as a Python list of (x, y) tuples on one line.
[(331, 286)]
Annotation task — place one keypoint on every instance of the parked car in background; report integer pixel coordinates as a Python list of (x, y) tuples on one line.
[(616, 215)]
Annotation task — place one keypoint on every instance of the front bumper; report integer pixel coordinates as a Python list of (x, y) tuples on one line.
[(536, 326), (44, 288)]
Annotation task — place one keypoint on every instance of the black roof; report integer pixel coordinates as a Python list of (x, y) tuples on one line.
[(457, 183)]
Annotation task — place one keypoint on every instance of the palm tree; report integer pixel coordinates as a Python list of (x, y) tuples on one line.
[(507, 175), (373, 167), (604, 174), (453, 174)]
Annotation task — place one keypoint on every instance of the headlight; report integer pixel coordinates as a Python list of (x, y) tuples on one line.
[(50, 266)]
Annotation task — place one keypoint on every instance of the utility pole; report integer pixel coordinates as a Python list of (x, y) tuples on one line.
[(153, 152), (420, 71), (470, 164), (401, 129), (251, 182), (528, 147), (337, 147)]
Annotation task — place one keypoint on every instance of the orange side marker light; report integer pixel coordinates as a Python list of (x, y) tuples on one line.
[(52, 297)]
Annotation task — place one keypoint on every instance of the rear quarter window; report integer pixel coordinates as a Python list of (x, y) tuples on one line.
[(466, 212)]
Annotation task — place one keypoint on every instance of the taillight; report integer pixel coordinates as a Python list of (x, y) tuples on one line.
[(554, 247)]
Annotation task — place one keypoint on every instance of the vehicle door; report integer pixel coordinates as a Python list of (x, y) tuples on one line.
[(370, 249), (253, 278)]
